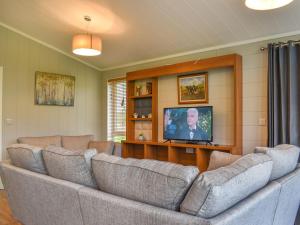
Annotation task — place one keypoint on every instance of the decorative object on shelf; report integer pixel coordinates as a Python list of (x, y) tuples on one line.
[(135, 115), (143, 116), (150, 115), (192, 89), (87, 44), (141, 137), (266, 4), (149, 88), (138, 90), (54, 89)]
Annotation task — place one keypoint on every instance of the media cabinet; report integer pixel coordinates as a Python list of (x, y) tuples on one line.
[(186, 154)]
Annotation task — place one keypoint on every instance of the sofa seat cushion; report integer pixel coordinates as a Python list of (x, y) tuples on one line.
[(76, 142), (215, 191), (219, 159), (157, 183), (285, 159), (103, 146), (27, 157), (41, 141), (74, 166)]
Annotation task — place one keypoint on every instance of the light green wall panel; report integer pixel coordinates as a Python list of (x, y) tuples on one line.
[(21, 58)]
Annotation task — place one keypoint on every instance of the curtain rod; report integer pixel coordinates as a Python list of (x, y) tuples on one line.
[(280, 44)]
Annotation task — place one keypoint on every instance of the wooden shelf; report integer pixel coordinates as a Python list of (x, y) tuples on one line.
[(140, 119), (197, 155), (173, 152), (142, 105), (141, 96), (233, 61), (225, 148)]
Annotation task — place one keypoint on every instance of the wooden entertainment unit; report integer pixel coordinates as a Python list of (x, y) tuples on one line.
[(186, 154), (197, 155)]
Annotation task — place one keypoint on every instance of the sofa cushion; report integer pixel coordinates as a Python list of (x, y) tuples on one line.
[(285, 158), (27, 157), (215, 191), (76, 142), (103, 146), (41, 141), (157, 183), (219, 159), (74, 166)]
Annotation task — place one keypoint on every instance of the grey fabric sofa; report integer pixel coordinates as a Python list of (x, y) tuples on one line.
[(80, 142), (38, 199)]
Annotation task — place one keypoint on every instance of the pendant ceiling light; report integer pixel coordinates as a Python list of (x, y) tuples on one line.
[(266, 4), (87, 44)]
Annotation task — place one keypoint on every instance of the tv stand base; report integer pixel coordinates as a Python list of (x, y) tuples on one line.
[(172, 152), (199, 143)]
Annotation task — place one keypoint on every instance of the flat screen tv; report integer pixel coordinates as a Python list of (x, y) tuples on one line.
[(192, 124)]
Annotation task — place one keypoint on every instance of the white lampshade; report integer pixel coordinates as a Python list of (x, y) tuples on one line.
[(266, 4), (86, 45)]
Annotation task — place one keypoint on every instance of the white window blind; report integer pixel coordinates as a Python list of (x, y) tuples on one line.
[(116, 110)]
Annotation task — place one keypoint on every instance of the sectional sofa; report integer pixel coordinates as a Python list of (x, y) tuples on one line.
[(61, 186)]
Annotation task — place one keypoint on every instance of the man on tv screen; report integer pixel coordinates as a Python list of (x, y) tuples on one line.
[(192, 131)]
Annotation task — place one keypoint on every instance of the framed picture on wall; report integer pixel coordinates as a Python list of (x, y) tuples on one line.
[(193, 89), (54, 89)]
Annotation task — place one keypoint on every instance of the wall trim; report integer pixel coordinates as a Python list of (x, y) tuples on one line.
[(216, 47), (48, 45)]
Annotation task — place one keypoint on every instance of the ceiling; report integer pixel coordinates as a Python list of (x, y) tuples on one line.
[(135, 30)]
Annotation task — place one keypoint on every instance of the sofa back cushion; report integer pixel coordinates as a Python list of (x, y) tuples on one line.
[(219, 159), (41, 141), (157, 183), (285, 158), (215, 191), (74, 166), (103, 146), (76, 142), (27, 157)]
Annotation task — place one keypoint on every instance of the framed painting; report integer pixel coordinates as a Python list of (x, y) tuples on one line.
[(193, 89), (54, 89)]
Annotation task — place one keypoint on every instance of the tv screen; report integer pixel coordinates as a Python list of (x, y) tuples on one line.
[(188, 123)]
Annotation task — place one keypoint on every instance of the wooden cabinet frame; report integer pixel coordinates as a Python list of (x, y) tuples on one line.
[(233, 61)]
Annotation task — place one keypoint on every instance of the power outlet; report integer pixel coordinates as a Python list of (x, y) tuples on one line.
[(189, 150), (262, 122), (9, 122)]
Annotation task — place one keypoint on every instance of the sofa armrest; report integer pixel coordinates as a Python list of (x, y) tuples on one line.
[(103, 146), (249, 211), (4, 162)]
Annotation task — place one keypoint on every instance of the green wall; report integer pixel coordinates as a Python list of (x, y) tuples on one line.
[(21, 58)]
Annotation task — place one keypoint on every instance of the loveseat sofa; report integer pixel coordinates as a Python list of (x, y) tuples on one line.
[(257, 189), (80, 142)]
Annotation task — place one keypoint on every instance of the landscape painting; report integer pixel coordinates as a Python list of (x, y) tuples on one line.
[(54, 89), (193, 89)]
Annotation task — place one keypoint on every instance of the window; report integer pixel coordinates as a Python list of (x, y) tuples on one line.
[(116, 109)]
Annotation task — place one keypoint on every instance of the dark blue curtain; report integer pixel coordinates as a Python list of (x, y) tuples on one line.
[(284, 94)]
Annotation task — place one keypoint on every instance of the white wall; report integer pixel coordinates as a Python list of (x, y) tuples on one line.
[(254, 86), (21, 58)]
